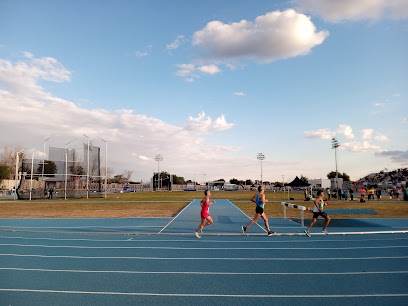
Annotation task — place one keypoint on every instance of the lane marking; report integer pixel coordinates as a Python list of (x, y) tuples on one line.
[(207, 258), (175, 217), (207, 273), (246, 214), (205, 241), (208, 295), (200, 248)]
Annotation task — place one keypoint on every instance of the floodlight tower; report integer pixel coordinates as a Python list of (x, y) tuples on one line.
[(158, 158), (261, 157), (335, 145)]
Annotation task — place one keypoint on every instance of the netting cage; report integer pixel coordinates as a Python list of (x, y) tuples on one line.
[(66, 173)]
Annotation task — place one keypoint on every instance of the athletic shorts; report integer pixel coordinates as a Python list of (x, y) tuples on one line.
[(317, 214), (259, 210), (205, 215)]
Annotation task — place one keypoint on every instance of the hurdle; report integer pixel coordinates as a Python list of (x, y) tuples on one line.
[(301, 208)]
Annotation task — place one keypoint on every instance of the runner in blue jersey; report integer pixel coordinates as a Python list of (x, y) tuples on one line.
[(260, 201)]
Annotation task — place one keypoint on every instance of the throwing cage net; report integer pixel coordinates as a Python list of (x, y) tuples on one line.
[(67, 173)]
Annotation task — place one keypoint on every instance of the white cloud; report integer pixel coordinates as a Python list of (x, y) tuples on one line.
[(209, 69), (141, 54), (340, 10), (176, 43), (320, 133), (275, 35), (367, 134), (239, 93), (343, 129), (206, 124), (192, 72), (346, 131), (29, 115), (360, 146)]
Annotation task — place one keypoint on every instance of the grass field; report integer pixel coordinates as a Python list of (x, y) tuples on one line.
[(168, 204)]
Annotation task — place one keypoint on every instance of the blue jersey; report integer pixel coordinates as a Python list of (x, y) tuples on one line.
[(259, 202)]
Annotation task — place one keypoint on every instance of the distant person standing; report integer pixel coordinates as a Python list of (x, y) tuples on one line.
[(378, 193), (319, 204), (362, 194), (205, 216), (260, 201), (328, 194), (351, 194)]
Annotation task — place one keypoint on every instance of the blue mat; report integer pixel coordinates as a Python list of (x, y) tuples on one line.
[(351, 211)]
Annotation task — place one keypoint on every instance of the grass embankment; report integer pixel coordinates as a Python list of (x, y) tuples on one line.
[(147, 204)]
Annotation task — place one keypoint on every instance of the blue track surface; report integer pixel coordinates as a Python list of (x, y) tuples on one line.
[(158, 261)]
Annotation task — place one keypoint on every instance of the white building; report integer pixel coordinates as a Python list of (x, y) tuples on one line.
[(320, 183)]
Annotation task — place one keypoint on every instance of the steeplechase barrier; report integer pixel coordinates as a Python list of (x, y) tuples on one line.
[(299, 207)]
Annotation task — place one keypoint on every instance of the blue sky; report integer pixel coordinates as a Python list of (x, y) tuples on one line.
[(210, 84)]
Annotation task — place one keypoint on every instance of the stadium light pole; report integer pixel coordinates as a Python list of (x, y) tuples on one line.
[(42, 173), (106, 164), (158, 158), (87, 171), (66, 166), (261, 157), (335, 145), (17, 162)]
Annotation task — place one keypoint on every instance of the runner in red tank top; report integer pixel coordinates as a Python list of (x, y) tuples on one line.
[(205, 216)]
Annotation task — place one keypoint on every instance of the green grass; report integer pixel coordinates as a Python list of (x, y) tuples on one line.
[(168, 204)]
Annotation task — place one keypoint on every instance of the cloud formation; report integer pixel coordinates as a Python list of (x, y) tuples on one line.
[(29, 115), (206, 124), (342, 10), (400, 157), (275, 35), (357, 145)]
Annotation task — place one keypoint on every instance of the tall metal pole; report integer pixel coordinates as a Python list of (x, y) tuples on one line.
[(42, 173), (87, 172), (158, 158), (31, 177), (16, 182), (106, 165), (335, 145), (261, 157)]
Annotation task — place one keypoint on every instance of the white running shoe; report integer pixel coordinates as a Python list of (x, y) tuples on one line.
[(307, 233), (197, 235)]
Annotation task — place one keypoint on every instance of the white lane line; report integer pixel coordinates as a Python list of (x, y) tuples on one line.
[(208, 295), (201, 241), (200, 248), (175, 217), (207, 273), (209, 258), (247, 215)]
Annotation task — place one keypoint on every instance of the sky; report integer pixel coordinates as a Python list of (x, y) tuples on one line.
[(209, 84)]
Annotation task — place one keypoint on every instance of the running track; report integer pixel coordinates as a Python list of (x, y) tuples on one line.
[(158, 261)]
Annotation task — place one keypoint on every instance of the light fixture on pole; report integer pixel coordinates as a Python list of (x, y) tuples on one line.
[(335, 145), (261, 157), (87, 172), (106, 164), (158, 158)]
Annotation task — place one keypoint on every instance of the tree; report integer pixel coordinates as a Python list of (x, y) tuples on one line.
[(50, 168), (304, 178), (127, 174), (234, 181), (249, 182), (8, 158), (343, 175), (4, 172)]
